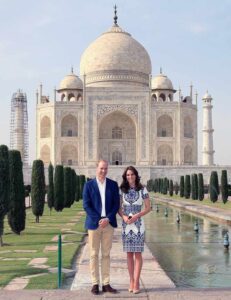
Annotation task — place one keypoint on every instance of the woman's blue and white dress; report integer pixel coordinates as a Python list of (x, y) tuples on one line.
[(133, 234)]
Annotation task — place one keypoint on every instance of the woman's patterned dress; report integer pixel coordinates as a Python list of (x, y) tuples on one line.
[(133, 234)]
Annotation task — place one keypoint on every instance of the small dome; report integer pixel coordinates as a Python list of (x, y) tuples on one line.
[(207, 96), (115, 56), (161, 82), (72, 82)]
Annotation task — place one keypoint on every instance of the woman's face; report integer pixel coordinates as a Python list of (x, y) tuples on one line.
[(131, 178)]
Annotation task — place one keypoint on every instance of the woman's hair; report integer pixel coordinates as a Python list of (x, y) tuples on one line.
[(125, 185)]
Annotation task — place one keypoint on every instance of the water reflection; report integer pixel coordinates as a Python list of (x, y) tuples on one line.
[(191, 259)]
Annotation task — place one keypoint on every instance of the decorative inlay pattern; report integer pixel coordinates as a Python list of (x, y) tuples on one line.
[(104, 109)]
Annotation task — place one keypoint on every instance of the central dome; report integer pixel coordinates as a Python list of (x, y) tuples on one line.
[(115, 56)]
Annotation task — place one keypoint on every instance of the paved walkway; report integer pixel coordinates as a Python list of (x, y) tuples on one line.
[(152, 275)]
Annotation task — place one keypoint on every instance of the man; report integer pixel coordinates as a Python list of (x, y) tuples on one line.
[(101, 202)]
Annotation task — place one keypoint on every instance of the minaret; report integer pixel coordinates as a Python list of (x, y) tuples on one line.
[(207, 150), (19, 125)]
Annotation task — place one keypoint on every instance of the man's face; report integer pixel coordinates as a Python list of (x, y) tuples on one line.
[(101, 170)]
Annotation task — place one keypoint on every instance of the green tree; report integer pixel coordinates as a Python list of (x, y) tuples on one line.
[(200, 187), (187, 187), (181, 186), (38, 191), (67, 174), (165, 186), (50, 193), (176, 188), (149, 185), (214, 186), (224, 186), (17, 208), (73, 183), (59, 188), (77, 189), (82, 180), (4, 187), (171, 187), (194, 181)]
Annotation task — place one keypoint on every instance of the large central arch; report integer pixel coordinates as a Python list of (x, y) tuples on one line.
[(117, 139)]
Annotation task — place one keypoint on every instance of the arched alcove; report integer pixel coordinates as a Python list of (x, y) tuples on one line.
[(164, 126), (188, 127), (164, 155), (45, 127), (69, 155), (117, 139), (69, 126)]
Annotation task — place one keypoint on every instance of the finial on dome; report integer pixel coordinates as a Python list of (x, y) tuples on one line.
[(115, 17), (160, 70), (72, 70)]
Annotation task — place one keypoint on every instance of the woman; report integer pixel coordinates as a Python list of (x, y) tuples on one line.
[(133, 195)]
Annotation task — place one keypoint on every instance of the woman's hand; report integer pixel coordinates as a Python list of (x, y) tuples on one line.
[(133, 219), (125, 218)]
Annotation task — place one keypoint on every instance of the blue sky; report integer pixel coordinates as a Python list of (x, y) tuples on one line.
[(190, 40)]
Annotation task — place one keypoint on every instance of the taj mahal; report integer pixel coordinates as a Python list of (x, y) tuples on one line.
[(118, 111)]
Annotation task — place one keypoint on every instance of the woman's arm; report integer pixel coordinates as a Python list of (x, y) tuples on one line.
[(120, 212), (147, 209)]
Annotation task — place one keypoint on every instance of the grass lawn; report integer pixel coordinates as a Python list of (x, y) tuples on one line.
[(207, 202), (35, 238)]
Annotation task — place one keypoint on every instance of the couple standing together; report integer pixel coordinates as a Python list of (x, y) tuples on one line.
[(102, 200)]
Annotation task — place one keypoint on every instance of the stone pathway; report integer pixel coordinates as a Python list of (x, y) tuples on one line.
[(152, 275)]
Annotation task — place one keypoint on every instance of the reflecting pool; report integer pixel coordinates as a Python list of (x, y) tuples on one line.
[(189, 258)]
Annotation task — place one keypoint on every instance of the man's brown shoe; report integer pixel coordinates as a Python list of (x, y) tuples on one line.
[(108, 289), (95, 289)]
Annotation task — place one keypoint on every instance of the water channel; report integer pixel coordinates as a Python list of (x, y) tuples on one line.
[(190, 259)]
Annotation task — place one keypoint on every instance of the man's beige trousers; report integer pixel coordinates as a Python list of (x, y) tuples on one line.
[(100, 237)]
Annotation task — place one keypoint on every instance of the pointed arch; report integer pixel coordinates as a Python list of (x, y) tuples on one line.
[(69, 155), (45, 127), (164, 155), (188, 155), (164, 126), (188, 127), (69, 126), (117, 138)]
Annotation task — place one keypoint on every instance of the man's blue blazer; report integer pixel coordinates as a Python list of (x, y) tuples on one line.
[(92, 203)]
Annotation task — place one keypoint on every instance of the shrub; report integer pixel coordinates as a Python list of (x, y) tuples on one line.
[(38, 189), (181, 186), (58, 188), (176, 188), (213, 187), (17, 209), (200, 187), (50, 192), (187, 187), (171, 187), (224, 186)]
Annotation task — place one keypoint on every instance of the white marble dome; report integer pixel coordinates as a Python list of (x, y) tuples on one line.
[(71, 81), (161, 82), (115, 55)]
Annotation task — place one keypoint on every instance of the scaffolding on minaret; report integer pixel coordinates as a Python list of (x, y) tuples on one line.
[(19, 137)]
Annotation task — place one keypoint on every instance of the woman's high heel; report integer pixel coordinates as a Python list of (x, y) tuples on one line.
[(130, 290), (136, 291)]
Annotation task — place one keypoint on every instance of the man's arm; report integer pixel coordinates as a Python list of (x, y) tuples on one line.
[(87, 203), (116, 201)]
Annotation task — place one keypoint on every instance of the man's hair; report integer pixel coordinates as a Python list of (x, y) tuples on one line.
[(101, 160)]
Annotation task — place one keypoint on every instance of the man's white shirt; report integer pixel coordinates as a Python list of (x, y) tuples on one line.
[(102, 191)]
